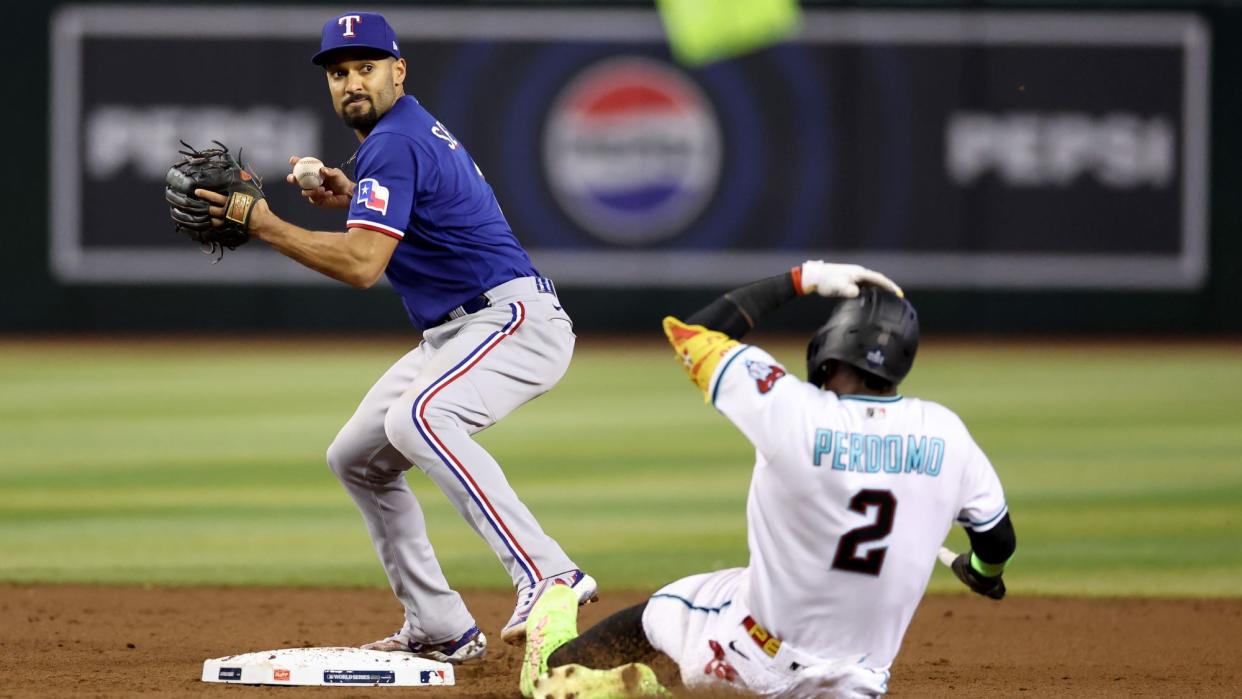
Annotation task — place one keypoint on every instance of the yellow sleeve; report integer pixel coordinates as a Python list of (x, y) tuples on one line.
[(699, 350)]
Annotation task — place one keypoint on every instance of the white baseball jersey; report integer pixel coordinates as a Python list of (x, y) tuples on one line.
[(851, 499)]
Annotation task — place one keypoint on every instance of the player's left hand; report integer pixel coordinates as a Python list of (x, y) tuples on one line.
[(215, 210), (842, 280), (236, 189), (992, 588)]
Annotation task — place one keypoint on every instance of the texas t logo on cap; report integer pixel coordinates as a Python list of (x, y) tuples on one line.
[(348, 22), (365, 30)]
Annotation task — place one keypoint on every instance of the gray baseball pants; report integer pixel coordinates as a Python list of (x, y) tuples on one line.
[(464, 376)]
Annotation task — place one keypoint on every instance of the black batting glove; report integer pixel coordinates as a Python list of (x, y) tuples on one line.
[(993, 588)]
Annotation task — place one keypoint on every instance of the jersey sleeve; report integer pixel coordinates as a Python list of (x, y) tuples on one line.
[(390, 173), (983, 499), (758, 396)]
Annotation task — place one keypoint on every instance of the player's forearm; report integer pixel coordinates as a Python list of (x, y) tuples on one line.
[(736, 312), (336, 255), (993, 548)]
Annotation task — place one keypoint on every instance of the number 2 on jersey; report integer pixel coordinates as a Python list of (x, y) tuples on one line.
[(847, 557)]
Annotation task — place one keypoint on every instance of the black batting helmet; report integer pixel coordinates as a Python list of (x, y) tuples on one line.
[(877, 332)]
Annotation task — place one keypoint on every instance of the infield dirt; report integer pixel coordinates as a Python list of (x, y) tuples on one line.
[(121, 641)]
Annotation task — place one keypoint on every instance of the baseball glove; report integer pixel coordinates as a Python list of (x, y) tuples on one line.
[(214, 169)]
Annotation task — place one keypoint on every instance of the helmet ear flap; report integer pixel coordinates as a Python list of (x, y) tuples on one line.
[(816, 364), (817, 375), (819, 353)]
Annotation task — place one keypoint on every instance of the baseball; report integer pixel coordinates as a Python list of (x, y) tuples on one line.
[(306, 172)]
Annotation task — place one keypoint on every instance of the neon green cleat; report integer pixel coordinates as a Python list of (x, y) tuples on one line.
[(553, 622), (578, 682)]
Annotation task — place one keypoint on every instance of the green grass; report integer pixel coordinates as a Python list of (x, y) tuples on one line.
[(151, 462)]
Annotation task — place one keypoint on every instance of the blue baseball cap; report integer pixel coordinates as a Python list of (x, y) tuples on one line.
[(357, 30)]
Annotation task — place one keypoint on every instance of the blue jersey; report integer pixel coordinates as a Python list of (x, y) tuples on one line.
[(417, 183)]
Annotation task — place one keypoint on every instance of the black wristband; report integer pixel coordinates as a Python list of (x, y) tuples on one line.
[(737, 311)]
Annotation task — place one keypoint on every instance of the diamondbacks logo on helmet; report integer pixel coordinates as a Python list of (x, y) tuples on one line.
[(632, 150)]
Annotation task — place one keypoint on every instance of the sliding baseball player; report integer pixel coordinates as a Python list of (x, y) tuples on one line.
[(855, 487)]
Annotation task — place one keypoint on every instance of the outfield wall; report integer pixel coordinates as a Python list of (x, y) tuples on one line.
[(1050, 171)]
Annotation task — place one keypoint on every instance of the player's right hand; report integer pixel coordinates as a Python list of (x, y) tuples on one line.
[(841, 281), (993, 588), (336, 192)]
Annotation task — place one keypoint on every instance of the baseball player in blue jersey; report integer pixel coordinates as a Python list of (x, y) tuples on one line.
[(494, 336)]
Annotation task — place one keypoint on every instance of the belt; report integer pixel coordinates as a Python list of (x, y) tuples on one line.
[(477, 303), (771, 645), (510, 289)]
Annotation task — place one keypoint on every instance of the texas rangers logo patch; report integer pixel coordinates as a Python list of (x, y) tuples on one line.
[(765, 375), (373, 195)]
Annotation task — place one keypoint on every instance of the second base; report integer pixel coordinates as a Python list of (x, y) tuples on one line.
[(328, 666)]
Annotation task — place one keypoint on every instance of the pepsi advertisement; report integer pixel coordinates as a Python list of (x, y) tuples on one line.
[(948, 149)]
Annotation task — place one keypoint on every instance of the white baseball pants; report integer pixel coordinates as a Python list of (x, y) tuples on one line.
[(700, 622), (464, 376)]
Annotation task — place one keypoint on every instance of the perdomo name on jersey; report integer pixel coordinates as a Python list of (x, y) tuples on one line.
[(871, 453)]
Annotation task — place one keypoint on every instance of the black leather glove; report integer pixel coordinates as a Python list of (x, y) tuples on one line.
[(217, 170)]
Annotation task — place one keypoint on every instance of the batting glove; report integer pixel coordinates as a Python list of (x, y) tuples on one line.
[(993, 588), (698, 349), (841, 281)]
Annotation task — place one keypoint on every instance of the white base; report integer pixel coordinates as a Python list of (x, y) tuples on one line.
[(328, 666)]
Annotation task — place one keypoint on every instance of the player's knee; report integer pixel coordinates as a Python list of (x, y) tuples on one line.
[(416, 434), (402, 431), (342, 457)]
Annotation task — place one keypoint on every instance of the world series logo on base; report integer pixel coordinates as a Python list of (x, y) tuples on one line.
[(328, 666)]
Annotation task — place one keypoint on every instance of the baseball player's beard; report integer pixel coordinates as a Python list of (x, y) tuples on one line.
[(363, 121)]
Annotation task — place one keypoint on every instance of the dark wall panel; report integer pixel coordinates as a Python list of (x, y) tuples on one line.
[(33, 301)]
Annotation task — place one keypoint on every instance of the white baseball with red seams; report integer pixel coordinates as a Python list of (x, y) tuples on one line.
[(306, 172)]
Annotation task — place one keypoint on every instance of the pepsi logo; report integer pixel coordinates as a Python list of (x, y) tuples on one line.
[(632, 150)]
